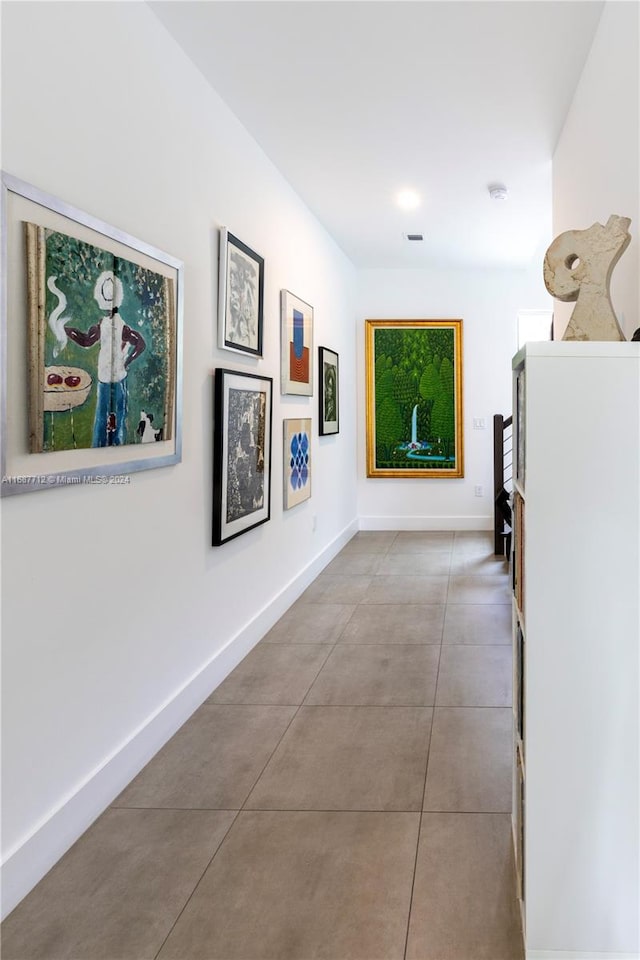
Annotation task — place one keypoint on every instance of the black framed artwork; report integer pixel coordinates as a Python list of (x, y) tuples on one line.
[(240, 296), (329, 393), (241, 453)]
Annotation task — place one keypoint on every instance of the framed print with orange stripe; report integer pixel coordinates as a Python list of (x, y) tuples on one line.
[(297, 345)]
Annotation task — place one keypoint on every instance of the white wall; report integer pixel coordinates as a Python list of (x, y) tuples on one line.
[(488, 302), (596, 164), (110, 648)]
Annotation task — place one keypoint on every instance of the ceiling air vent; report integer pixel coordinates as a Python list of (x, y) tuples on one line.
[(414, 236)]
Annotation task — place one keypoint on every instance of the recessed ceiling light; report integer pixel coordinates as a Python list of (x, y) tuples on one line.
[(408, 199)]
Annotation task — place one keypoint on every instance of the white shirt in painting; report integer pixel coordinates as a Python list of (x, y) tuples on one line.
[(113, 350)]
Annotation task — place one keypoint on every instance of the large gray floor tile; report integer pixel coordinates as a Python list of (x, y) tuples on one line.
[(464, 905), (477, 676), (470, 566), (395, 623), (470, 760), (273, 674), (477, 623), (378, 675), (379, 539), (118, 891), (303, 623), (494, 588), (423, 541), (335, 589), (353, 565), (406, 589), (473, 543), (415, 564), (297, 886), (369, 541), (348, 758), (213, 761)]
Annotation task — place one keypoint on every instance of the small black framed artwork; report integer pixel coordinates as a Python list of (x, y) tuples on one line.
[(329, 391), (241, 453), (240, 296)]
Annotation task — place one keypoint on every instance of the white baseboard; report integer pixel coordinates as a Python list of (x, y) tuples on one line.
[(572, 955), (427, 523), (32, 858)]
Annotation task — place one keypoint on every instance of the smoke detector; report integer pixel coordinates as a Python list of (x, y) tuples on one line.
[(497, 191)]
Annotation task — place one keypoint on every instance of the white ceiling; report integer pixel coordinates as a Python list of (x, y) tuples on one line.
[(355, 99)]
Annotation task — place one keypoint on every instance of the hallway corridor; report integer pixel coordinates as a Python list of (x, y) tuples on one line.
[(345, 794)]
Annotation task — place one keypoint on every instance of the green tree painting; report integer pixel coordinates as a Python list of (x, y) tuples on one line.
[(414, 385)]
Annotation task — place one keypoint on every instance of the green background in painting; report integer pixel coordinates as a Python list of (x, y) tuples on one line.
[(414, 366), (77, 265)]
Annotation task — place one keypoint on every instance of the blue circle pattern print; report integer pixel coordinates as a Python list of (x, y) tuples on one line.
[(299, 461)]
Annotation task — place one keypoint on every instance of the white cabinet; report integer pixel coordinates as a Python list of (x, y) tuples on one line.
[(576, 567)]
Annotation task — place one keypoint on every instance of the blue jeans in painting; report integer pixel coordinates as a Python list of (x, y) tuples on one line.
[(111, 414)]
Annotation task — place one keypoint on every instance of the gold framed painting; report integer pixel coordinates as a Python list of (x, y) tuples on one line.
[(414, 398)]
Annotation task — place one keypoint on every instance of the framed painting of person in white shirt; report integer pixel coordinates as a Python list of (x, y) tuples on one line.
[(105, 345), (92, 334)]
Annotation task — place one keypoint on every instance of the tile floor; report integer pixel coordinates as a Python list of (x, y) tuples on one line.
[(344, 794)]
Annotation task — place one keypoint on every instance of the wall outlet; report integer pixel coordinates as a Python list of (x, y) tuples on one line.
[(314, 522), (478, 490), (479, 423)]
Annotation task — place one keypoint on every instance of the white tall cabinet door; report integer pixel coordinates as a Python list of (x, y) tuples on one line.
[(579, 563)]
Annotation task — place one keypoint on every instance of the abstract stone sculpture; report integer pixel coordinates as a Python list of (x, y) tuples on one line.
[(578, 266)]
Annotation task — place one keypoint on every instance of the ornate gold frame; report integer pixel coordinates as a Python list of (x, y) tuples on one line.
[(418, 454)]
